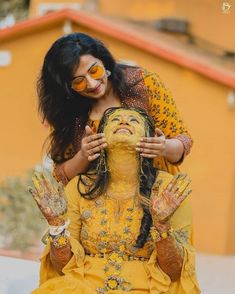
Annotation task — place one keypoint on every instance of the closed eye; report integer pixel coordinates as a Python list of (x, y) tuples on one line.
[(134, 120), (115, 119), (93, 69)]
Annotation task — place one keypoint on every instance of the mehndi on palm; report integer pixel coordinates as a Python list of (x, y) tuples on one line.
[(50, 198), (163, 205)]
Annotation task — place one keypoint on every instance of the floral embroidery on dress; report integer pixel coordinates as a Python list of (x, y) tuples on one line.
[(114, 246), (182, 236)]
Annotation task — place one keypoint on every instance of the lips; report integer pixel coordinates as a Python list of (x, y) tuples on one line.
[(123, 130)]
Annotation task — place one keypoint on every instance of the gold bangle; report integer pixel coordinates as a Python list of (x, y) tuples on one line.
[(158, 236), (60, 241), (155, 234)]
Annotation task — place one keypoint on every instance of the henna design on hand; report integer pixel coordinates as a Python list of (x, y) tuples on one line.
[(50, 198)]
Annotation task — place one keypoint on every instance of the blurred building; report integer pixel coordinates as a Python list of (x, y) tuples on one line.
[(201, 20), (202, 82)]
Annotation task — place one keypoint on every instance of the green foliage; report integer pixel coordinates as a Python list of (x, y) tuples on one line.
[(21, 222), (19, 8)]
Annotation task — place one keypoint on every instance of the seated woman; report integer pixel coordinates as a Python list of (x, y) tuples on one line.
[(125, 227)]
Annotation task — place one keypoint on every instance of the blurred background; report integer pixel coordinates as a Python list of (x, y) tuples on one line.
[(190, 44)]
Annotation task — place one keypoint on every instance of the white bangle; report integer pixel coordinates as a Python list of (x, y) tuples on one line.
[(56, 230)]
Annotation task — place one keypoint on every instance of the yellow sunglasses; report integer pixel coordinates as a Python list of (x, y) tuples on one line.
[(79, 83)]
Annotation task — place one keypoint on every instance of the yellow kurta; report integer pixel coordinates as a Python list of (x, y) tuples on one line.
[(97, 232)]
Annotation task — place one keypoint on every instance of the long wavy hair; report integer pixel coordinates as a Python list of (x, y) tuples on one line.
[(59, 104), (96, 179)]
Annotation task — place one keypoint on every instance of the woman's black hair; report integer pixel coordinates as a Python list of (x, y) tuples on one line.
[(96, 179), (59, 104)]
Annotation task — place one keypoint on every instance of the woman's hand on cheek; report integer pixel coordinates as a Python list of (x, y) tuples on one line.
[(92, 144), (152, 147)]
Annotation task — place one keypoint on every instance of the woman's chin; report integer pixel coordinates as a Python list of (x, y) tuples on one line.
[(123, 140)]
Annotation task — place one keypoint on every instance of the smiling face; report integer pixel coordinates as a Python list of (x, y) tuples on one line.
[(124, 126), (90, 79)]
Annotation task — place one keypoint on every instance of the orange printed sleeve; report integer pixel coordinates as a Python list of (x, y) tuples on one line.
[(163, 110)]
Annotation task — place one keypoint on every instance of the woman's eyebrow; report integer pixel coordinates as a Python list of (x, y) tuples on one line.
[(92, 65), (87, 70)]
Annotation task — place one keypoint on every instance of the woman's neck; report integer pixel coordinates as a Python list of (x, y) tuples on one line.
[(123, 166)]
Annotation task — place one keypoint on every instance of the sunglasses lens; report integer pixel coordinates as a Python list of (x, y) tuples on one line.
[(96, 72), (79, 84)]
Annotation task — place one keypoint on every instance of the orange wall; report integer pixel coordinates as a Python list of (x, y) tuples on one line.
[(137, 9), (21, 131), (207, 20), (202, 104)]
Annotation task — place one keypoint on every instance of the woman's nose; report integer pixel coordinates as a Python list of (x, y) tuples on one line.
[(91, 83), (124, 121)]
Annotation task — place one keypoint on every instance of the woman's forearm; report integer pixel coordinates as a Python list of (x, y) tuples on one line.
[(174, 150), (60, 256), (75, 165), (169, 257), (169, 252)]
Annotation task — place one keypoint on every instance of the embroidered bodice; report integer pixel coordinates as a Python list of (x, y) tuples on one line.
[(108, 225)]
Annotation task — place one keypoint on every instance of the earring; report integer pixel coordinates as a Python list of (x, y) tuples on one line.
[(108, 73)]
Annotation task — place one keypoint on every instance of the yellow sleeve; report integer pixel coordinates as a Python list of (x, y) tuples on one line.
[(181, 222), (73, 213), (76, 262)]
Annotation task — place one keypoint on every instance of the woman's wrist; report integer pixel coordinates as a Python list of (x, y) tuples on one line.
[(56, 221), (174, 150), (57, 228), (160, 231), (76, 165), (80, 155), (162, 226)]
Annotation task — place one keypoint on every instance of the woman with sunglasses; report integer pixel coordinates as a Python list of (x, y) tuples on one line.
[(79, 80)]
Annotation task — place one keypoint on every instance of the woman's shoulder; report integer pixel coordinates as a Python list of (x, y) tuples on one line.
[(78, 186), (132, 73), (135, 74)]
